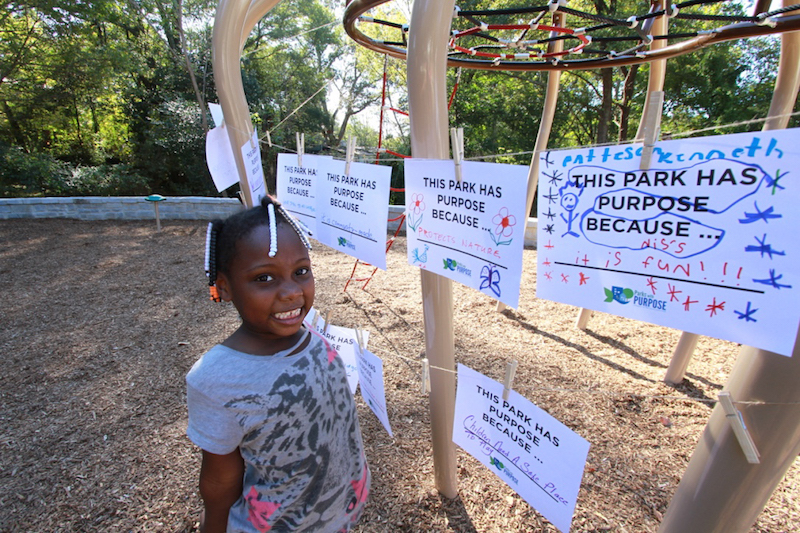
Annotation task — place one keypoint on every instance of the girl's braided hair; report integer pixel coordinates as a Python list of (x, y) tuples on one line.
[(222, 236)]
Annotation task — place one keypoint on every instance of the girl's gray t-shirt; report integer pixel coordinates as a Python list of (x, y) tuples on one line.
[(294, 421)]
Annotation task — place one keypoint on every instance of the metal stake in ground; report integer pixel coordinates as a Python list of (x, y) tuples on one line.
[(155, 198)]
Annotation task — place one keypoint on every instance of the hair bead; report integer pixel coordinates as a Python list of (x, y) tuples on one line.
[(273, 231)]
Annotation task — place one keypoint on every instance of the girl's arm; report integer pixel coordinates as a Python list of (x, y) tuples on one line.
[(220, 486)]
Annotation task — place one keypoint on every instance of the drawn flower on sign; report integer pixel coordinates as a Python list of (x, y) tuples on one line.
[(490, 279), (504, 226), (415, 210), (417, 203)]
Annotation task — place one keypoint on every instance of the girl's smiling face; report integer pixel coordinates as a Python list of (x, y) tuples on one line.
[(272, 294)]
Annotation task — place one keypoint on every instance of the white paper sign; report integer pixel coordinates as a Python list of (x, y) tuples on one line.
[(705, 241), (353, 210), (472, 232), (251, 153), (216, 114), (370, 375), (219, 157), (532, 452), (343, 340), (297, 186)]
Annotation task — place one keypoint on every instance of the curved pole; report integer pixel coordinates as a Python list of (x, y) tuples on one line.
[(233, 21), (721, 491), (545, 125), (427, 109)]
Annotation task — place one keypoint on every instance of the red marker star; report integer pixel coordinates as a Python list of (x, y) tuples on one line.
[(714, 307), (673, 293)]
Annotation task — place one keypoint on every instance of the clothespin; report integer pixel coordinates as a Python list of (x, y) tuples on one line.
[(652, 127), (253, 140), (511, 370), (269, 139), (739, 429), (327, 322), (426, 376), (301, 142), (349, 151), (314, 321), (360, 340), (457, 142)]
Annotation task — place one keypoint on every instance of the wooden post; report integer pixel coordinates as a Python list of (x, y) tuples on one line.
[(681, 357), (427, 107)]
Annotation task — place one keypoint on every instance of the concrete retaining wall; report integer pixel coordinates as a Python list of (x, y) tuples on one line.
[(119, 208), (137, 208)]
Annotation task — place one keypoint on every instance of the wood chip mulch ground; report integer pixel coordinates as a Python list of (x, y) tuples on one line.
[(102, 320)]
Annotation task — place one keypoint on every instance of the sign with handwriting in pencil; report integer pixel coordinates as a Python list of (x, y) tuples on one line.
[(532, 452)]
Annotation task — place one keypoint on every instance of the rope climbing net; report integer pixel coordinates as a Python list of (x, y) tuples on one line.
[(518, 39)]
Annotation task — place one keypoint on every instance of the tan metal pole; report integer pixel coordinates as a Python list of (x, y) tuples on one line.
[(427, 107), (721, 491), (233, 22)]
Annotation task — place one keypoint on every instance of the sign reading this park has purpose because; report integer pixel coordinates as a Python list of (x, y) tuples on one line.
[(471, 231), (704, 241), (297, 186), (251, 154), (370, 376), (532, 452), (353, 209)]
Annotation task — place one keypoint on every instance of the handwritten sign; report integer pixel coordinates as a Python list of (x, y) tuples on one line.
[(532, 452), (251, 153), (471, 231), (353, 210), (705, 241), (370, 375), (344, 341), (297, 186)]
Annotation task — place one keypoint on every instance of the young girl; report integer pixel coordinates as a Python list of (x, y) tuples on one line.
[(270, 407)]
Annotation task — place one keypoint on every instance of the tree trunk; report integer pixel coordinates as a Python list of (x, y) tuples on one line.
[(627, 97), (16, 130), (185, 53), (607, 107)]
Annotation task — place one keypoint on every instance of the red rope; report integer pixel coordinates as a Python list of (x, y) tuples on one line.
[(383, 102)]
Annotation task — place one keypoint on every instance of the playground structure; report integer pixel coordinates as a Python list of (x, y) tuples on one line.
[(720, 491)]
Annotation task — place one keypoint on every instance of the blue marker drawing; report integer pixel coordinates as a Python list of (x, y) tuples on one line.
[(774, 182), (773, 280), (765, 215), (420, 257), (763, 248), (569, 201), (747, 314), (490, 279), (555, 177), (550, 215), (551, 196)]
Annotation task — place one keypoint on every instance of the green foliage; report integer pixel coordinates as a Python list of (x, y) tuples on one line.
[(106, 180), (40, 174), (24, 174)]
